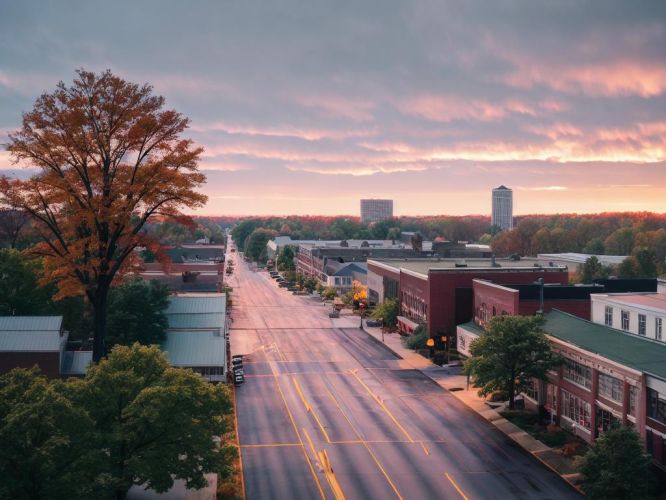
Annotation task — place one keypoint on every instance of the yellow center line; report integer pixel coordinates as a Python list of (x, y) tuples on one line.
[(309, 408), (448, 476), (298, 435), (383, 406), (365, 444), (307, 437), (425, 448), (240, 457)]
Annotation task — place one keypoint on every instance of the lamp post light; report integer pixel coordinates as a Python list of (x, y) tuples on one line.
[(430, 343), (361, 306)]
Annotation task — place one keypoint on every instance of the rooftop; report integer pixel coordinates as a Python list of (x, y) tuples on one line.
[(31, 333), (194, 348), (626, 349), (581, 258), (197, 303), (423, 266), (652, 301), (75, 362)]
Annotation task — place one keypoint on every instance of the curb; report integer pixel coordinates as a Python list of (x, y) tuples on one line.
[(492, 422)]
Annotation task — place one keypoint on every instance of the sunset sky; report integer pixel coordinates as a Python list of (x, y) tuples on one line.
[(304, 107)]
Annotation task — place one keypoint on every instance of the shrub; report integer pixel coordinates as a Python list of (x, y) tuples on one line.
[(418, 339)]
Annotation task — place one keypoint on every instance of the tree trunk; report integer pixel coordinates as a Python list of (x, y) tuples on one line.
[(100, 305), (512, 394)]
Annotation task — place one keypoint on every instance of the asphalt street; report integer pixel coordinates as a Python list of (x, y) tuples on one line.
[(326, 411)]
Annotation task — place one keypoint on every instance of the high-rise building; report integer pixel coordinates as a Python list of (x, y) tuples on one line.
[(502, 215), (376, 210)]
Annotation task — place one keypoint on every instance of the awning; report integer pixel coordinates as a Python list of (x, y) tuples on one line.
[(406, 325)]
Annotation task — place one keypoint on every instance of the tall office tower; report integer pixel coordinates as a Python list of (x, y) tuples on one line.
[(376, 210), (502, 208)]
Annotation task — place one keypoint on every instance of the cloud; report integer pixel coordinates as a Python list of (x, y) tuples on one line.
[(542, 188), (357, 170)]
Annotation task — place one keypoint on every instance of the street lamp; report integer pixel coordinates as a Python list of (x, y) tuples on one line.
[(361, 306)]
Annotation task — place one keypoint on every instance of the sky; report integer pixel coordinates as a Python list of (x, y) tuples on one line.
[(304, 107)]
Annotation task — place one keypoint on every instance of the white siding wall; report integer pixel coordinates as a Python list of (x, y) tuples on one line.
[(599, 314)]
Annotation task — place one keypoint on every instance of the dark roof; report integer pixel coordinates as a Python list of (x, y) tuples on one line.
[(626, 349)]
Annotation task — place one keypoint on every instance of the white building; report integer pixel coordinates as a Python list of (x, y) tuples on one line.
[(642, 314), (374, 210), (502, 215)]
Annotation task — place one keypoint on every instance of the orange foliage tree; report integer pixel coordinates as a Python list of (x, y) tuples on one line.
[(108, 158)]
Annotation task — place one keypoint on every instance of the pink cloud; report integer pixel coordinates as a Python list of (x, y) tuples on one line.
[(330, 106), (448, 108), (308, 134)]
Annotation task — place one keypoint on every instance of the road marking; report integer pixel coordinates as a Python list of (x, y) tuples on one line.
[(383, 406), (455, 486), (365, 444), (309, 408), (307, 437), (425, 448), (298, 435), (330, 475)]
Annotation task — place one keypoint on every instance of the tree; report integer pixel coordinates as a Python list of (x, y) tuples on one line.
[(108, 158), (620, 242), (595, 246), (628, 268), (48, 448), (255, 244), (388, 311), (646, 262), (359, 291), (417, 241), (12, 224), (242, 230), (20, 292), (616, 467), (285, 260), (513, 350), (329, 293), (592, 270), (156, 423), (137, 312)]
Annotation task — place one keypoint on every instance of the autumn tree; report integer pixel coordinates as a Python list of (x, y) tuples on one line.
[(108, 158), (512, 351), (592, 270)]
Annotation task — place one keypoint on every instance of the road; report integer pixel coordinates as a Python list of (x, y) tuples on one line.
[(328, 412)]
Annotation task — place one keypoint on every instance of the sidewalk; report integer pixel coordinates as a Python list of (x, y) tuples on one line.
[(452, 379)]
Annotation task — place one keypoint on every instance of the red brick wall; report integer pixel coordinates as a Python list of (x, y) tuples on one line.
[(502, 299), (442, 291), (48, 362), (580, 308)]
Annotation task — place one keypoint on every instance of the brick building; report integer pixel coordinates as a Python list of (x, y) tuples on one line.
[(439, 292), (608, 377)]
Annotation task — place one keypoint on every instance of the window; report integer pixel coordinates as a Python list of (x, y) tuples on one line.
[(608, 313), (657, 328), (656, 406), (577, 373), (641, 324), (633, 400), (625, 320), (576, 409), (610, 387), (533, 390)]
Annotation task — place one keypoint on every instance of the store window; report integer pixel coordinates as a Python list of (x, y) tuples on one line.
[(533, 390), (551, 398), (610, 387), (577, 373), (605, 420), (608, 316), (576, 409)]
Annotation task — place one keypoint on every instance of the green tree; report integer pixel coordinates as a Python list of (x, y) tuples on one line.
[(595, 247), (418, 339), (20, 292), (592, 270), (616, 467), (285, 260), (137, 312), (242, 230), (48, 449), (513, 350), (388, 312), (620, 242), (156, 423), (646, 262), (628, 268), (329, 293), (255, 244)]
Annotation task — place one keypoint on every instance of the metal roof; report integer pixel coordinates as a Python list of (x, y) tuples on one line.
[(31, 340), (190, 349), (630, 350), (75, 362), (196, 321), (197, 303), (31, 323)]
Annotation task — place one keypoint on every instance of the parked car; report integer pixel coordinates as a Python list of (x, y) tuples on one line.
[(283, 284), (334, 314), (373, 323)]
